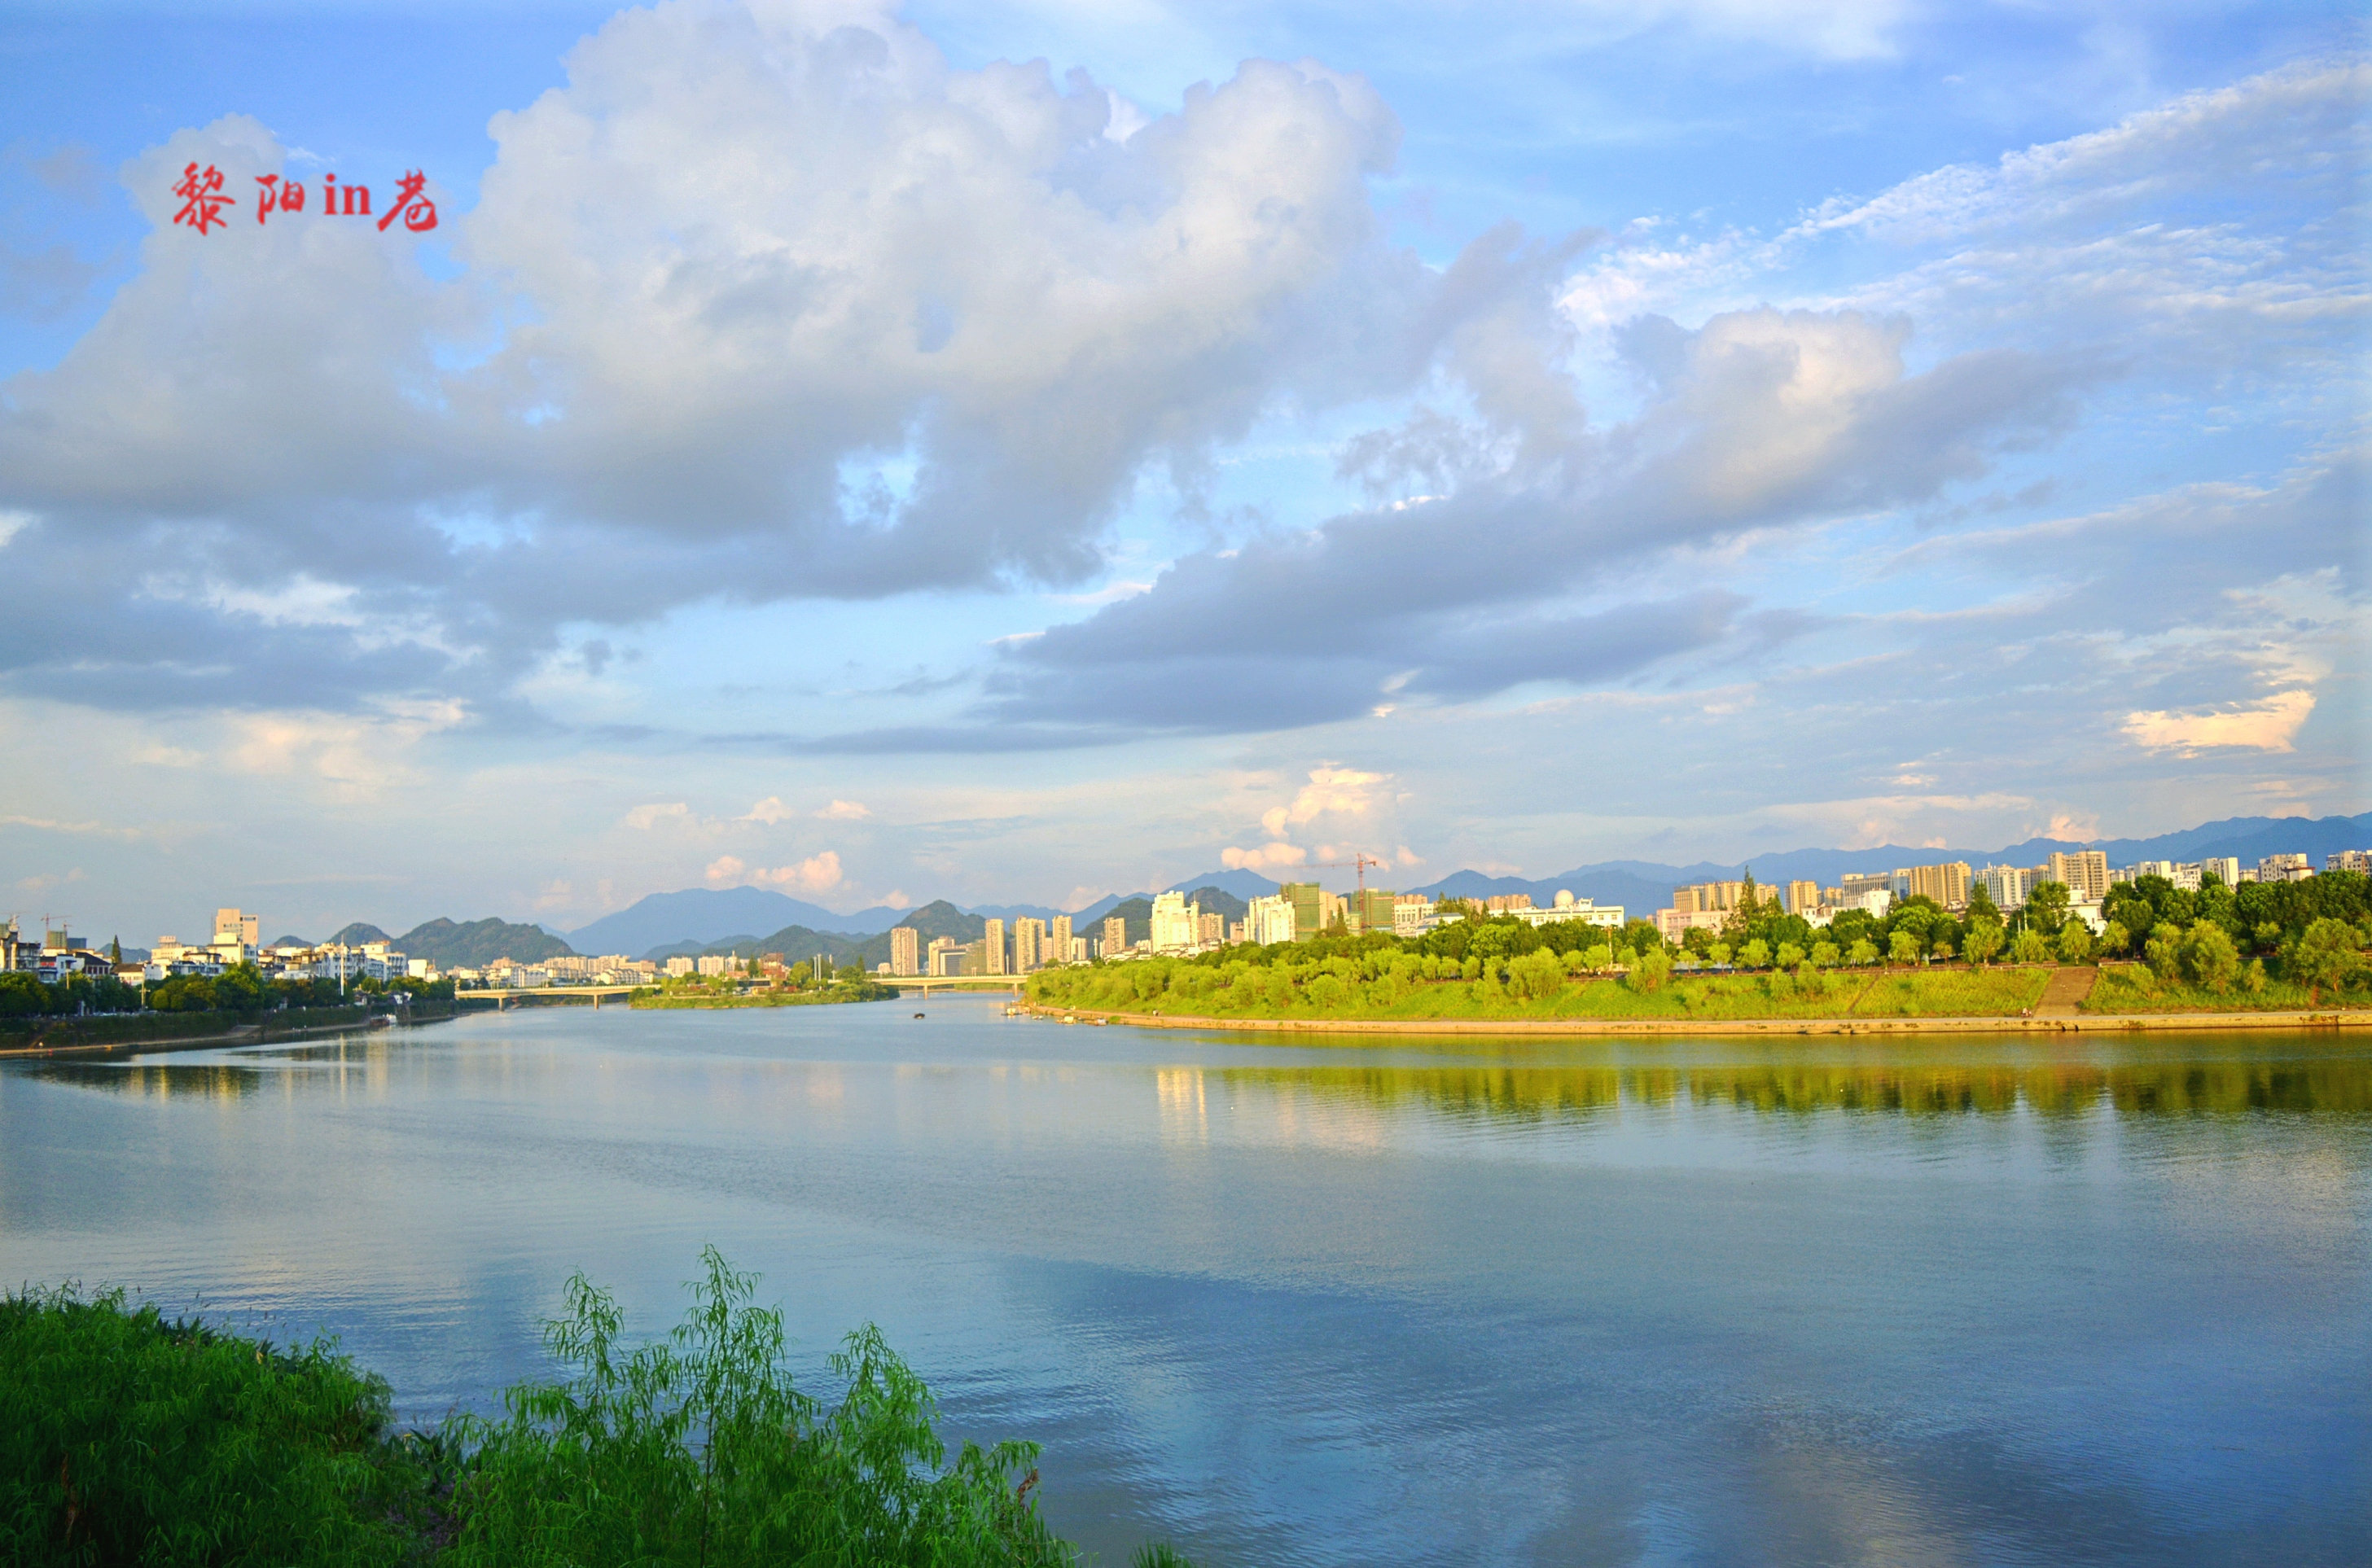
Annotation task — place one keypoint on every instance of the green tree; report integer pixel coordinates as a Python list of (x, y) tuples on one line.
[(1650, 969), (2163, 951), (1862, 954), (2209, 958), (1982, 906), (1756, 955), (1903, 947), (2115, 938), (2046, 907), (1984, 939), (2030, 948), (1698, 942), (2075, 942), (2326, 957), (1718, 954), (1826, 955), (1789, 955)]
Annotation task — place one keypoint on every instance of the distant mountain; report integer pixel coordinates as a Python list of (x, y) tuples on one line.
[(1217, 901), (1641, 886), (477, 943), (1011, 912), (288, 942), (702, 915), (357, 933)]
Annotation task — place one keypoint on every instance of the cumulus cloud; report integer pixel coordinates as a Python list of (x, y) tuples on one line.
[(1262, 857), (747, 256), (817, 874), (843, 811), (770, 811), (649, 816)]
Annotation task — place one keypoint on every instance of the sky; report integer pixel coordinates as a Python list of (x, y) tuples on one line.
[(1017, 452)]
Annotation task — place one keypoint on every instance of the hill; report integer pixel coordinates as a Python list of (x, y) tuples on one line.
[(477, 943), (702, 915), (357, 933)]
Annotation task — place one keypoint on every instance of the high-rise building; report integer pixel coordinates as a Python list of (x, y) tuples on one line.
[(946, 955), (2224, 868), (1371, 909), (236, 925), (976, 957), (1702, 898), (1174, 921), (1211, 929), (1268, 919), (2085, 872), (2006, 885), (1946, 884), (1058, 941), (1078, 949), (1802, 897), (1029, 944), (1307, 902), (1115, 936), (992, 948), (905, 950)]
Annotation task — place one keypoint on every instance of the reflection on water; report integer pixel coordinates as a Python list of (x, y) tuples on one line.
[(1821, 1299)]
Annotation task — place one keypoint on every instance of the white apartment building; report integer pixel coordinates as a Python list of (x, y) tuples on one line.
[(992, 946), (1268, 919), (1567, 907), (2008, 885), (1029, 944), (905, 950), (2283, 868), (1176, 923)]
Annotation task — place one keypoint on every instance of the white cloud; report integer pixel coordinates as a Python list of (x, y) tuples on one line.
[(843, 811), (650, 816), (1330, 791), (1262, 857), (2267, 726), (726, 868), (817, 874)]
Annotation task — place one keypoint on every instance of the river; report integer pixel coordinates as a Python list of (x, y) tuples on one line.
[(2086, 1300)]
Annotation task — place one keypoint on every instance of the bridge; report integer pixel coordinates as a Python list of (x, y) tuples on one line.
[(503, 997)]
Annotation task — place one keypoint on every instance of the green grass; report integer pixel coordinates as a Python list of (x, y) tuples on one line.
[(1954, 994), (862, 991), (125, 1439), (2131, 988)]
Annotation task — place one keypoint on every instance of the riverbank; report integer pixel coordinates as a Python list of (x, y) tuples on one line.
[(2065, 1023), (200, 1031), (835, 995)]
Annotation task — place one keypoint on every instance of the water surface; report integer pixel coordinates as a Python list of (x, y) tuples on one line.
[(1817, 1300)]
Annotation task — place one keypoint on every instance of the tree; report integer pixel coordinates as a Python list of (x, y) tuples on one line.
[(2326, 956), (1982, 906), (1698, 942), (2075, 942), (1984, 939), (1863, 953), (2115, 938), (1903, 947), (1718, 954), (1756, 955), (1650, 969), (2209, 958), (2031, 947), (1826, 955), (1940, 946), (2163, 951), (1789, 955), (2046, 907)]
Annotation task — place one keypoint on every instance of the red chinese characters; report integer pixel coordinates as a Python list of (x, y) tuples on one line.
[(419, 213), (202, 199), (288, 198)]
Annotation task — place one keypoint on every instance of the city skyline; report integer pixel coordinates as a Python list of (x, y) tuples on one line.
[(1639, 431)]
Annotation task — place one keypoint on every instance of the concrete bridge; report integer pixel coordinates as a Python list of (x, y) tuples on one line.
[(503, 997)]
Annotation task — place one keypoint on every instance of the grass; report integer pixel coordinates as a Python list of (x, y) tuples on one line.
[(860, 991), (2131, 988), (1836, 993), (126, 1439)]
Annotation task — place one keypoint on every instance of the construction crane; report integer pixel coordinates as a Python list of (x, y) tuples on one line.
[(1358, 861)]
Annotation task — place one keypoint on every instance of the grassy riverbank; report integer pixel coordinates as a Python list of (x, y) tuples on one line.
[(1401, 993), (126, 1438), (731, 993), (98, 1031)]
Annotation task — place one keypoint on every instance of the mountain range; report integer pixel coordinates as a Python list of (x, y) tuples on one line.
[(705, 920)]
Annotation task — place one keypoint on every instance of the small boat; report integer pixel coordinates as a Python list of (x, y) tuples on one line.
[(918, 1015), (379, 1021)]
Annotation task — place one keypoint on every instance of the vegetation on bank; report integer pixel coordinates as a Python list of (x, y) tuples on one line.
[(125, 1438), (798, 989), (2268, 944), (241, 989)]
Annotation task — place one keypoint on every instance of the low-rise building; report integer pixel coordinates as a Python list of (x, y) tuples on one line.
[(2348, 860), (2283, 868)]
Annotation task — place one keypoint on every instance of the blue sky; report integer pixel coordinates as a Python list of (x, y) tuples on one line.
[(1019, 452)]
